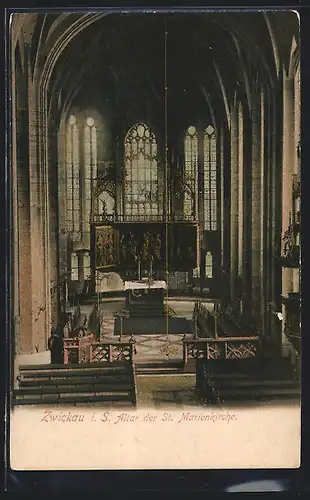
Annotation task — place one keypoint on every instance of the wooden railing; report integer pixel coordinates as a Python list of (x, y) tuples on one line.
[(83, 350), (220, 348)]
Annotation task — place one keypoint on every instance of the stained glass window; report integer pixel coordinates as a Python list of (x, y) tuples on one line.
[(80, 182), (210, 180), (73, 215), (191, 172), (141, 172)]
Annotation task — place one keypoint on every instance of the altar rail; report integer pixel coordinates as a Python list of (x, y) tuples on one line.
[(220, 348), (77, 351)]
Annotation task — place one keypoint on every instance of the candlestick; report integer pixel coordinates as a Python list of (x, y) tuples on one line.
[(139, 268)]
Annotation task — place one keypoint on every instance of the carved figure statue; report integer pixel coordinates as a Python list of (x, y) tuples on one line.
[(146, 246), (157, 247), (288, 240)]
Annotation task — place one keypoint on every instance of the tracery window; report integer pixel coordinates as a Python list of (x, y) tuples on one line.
[(80, 182), (141, 172), (210, 180), (190, 205), (73, 215)]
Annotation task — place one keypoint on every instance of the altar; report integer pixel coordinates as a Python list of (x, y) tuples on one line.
[(147, 313), (145, 291)]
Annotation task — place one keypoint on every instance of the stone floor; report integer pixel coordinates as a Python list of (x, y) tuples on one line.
[(160, 391), (149, 348)]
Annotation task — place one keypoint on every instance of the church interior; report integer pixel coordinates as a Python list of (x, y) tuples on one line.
[(155, 200)]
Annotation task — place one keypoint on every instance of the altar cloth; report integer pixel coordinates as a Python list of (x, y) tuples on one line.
[(144, 284)]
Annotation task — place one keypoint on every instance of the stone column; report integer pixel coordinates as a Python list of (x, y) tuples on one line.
[(36, 215), (296, 277), (62, 200), (234, 203), (25, 344), (269, 131), (256, 206), (15, 318), (263, 228), (240, 190), (276, 133), (287, 173), (52, 203)]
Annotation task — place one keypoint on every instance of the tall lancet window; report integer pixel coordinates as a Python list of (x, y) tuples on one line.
[(73, 215), (141, 172), (210, 180), (90, 167), (190, 206)]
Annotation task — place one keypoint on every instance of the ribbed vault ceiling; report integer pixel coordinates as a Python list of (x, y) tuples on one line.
[(124, 57)]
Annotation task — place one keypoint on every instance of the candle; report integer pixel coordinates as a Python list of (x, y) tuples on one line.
[(139, 268)]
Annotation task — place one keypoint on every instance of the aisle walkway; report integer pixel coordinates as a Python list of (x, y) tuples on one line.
[(164, 391)]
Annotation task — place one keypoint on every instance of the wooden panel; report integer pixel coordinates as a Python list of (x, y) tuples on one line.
[(118, 246), (105, 250), (182, 247)]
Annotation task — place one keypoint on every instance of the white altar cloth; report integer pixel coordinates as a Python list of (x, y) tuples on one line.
[(144, 284)]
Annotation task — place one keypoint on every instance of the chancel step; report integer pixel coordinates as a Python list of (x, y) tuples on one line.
[(243, 380), (57, 384), (162, 367)]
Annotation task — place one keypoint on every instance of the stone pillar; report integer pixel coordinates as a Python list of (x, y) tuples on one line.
[(234, 216), (61, 162), (24, 234), (240, 191), (276, 133), (297, 118), (52, 204), (15, 317), (256, 207), (288, 170), (246, 283), (36, 215), (263, 228), (269, 132)]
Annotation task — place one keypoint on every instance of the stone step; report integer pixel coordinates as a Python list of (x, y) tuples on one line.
[(250, 383), (109, 369), (253, 393), (75, 399), (164, 368), (95, 379), (84, 388), (158, 371), (77, 366)]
